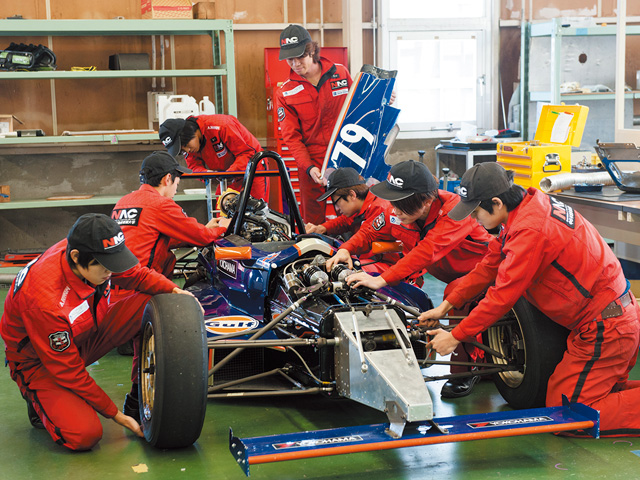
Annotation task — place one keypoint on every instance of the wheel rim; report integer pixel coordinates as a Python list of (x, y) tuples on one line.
[(148, 371), (507, 339)]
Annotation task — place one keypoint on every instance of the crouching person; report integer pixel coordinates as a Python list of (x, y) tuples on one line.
[(58, 319), (549, 253)]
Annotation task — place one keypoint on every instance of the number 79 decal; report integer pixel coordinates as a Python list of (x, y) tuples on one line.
[(366, 126), (352, 133)]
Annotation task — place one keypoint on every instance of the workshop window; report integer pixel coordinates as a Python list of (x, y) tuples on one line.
[(443, 63)]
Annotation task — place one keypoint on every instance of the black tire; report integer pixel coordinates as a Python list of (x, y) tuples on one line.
[(529, 339), (173, 371)]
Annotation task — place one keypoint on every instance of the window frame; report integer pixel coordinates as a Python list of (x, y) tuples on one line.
[(486, 30)]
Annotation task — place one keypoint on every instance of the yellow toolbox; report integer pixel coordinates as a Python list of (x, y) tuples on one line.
[(559, 128)]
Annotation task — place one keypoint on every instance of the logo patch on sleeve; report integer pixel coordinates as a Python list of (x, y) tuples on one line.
[(280, 114), (126, 216), (378, 222), (59, 341), (563, 213)]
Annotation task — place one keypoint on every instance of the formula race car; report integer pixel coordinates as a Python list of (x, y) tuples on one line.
[(277, 323)]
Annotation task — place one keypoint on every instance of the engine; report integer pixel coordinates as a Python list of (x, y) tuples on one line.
[(259, 223)]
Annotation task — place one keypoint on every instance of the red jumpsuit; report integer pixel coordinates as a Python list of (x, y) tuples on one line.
[(307, 115), (444, 248), (53, 326), (228, 146), (153, 224), (371, 208), (555, 258)]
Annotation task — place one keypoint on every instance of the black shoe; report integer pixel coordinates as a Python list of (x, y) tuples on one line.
[(34, 418), (126, 348), (459, 387), (131, 407)]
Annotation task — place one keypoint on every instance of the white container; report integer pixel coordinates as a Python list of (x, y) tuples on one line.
[(176, 106), (207, 107)]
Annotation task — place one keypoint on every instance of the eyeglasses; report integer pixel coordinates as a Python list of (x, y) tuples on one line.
[(336, 200)]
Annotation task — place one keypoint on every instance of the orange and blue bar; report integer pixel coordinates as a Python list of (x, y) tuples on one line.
[(366, 438)]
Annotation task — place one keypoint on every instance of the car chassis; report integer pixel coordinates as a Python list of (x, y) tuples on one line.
[(277, 323)]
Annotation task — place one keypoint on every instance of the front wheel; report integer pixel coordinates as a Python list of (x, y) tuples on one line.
[(533, 343), (173, 371)]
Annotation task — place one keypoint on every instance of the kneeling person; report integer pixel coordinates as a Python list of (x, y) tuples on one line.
[(58, 318)]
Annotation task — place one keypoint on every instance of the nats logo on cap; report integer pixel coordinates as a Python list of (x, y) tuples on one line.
[(395, 181), (59, 341), (289, 41), (108, 243)]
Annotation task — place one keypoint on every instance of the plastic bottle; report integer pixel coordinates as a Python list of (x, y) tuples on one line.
[(176, 106), (207, 107)]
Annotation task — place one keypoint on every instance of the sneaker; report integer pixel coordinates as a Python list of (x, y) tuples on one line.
[(131, 407), (34, 418), (126, 348), (459, 387)]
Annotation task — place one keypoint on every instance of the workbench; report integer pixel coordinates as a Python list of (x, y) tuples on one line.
[(616, 215)]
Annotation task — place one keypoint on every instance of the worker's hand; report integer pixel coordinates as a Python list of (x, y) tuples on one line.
[(432, 317), (312, 228), (128, 422), (442, 342), (224, 222), (316, 176), (363, 279), (185, 292), (341, 256), (392, 98)]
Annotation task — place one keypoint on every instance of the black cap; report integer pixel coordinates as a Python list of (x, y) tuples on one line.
[(293, 41), (341, 178), (159, 164), (481, 182), (169, 133), (405, 179), (100, 235)]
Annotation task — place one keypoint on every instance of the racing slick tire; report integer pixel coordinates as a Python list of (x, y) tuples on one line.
[(531, 340), (173, 371)]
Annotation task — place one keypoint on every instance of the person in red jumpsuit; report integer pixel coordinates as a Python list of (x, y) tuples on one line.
[(153, 223), (309, 105), (431, 242), (215, 143), (355, 205), (58, 318), (549, 253)]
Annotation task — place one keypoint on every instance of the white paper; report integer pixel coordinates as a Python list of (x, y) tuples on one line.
[(560, 131)]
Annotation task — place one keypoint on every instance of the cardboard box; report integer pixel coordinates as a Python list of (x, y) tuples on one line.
[(5, 194), (6, 123), (559, 128), (163, 9), (204, 10)]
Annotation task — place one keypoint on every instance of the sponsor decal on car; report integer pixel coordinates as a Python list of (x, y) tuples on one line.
[(314, 442), (228, 267), (230, 324), (509, 421)]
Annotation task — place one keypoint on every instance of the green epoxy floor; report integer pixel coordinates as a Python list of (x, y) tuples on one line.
[(26, 453)]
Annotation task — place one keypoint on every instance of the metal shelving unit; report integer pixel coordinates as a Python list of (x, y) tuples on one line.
[(69, 28), (556, 31)]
